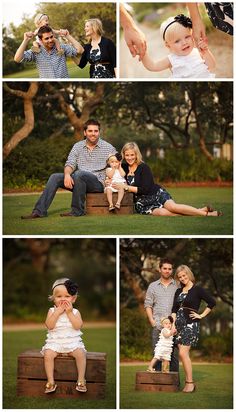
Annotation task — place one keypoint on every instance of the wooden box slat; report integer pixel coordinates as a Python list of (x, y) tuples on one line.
[(96, 203), (157, 382), (27, 387), (170, 378), (32, 378)]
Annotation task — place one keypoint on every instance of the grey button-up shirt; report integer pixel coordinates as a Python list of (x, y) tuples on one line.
[(94, 161), (160, 298), (49, 64)]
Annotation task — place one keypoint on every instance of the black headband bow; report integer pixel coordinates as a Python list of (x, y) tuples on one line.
[(181, 19), (71, 287)]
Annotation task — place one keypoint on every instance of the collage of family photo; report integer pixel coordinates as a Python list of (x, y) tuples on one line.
[(117, 205)]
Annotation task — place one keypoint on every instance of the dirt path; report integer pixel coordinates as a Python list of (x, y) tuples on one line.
[(220, 44)]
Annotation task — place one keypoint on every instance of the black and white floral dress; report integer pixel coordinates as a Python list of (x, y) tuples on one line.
[(221, 15), (187, 333)]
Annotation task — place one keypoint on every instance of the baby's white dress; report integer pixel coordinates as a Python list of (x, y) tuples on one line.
[(191, 66), (163, 348), (116, 178), (63, 338)]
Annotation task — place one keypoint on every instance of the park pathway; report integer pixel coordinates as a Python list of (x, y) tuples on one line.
[(220, 44)]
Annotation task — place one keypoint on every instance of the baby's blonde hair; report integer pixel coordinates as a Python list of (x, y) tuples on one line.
[(57, 282), (96, 25), (38, 18), (172, 31)]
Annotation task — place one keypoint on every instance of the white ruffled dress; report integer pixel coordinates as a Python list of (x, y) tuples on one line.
[(163, 348), (191, 66), (63, 338), (116, 178)]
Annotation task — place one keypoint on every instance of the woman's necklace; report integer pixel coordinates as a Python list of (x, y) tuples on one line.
[(187, 287), (132, 170)]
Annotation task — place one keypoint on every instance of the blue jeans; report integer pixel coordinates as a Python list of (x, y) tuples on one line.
[(84, 182), (174, 362)]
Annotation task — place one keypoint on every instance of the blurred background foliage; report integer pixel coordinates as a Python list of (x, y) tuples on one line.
[(176, 125), (70, 16), (155, 13), (31, 266), (211, 262)]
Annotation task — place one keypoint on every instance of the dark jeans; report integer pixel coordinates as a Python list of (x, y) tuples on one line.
[(174, 363), (84, 182)]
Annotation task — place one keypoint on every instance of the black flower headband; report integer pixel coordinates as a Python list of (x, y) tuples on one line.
[(181, 19), (71, 287)]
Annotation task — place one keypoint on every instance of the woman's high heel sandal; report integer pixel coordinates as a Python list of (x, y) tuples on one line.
[(194, 387)]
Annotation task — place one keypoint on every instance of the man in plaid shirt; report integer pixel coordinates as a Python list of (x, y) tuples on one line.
[(84, 172), (50, 64)]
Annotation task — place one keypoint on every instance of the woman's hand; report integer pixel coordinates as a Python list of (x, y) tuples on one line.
[(194, 315), (118, 186)]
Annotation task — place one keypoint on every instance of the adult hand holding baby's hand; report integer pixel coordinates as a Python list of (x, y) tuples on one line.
[(202, 45)]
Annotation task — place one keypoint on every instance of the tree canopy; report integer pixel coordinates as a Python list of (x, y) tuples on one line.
[(32, 265), (209, 259)]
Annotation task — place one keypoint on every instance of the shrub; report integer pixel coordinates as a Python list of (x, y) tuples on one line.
[(190, 165), (135, 336), (216, 346)]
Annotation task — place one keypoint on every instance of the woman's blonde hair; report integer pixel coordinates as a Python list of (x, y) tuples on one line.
[(187, 270), (96, 26), (132, 146)]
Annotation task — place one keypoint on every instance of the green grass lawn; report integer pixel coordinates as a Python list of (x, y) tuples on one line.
[(96, 340), (220, 198), (214, 390), (74, 72)]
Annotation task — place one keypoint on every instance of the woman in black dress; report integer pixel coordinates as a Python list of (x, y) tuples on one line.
[(100, 52), (151, 198), (186, 304)]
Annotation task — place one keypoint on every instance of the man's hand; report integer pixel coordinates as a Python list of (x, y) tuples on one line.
[(28, 35), (68, 181)]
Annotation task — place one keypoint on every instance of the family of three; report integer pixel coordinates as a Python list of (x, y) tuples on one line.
[(85, 172), (172, 305), (50, 55)]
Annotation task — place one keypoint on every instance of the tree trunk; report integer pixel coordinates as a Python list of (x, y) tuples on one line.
[(28, 126), (39, 251)]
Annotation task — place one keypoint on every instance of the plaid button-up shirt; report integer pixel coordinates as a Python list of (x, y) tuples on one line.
[(49, 64), (160, 298), (94, 161)]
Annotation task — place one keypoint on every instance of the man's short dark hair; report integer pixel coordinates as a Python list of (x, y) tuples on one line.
[(44, 29), (91, 122), (165, 260)]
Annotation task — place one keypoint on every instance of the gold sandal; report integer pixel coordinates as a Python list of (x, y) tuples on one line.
[(81, 386), (50, 387)]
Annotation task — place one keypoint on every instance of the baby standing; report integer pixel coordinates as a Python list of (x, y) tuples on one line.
[(184, 59), (115, 173), (64, 336), (164, 346)]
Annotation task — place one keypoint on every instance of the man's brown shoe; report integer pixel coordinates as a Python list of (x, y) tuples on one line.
[(67, 214), (33, 215)]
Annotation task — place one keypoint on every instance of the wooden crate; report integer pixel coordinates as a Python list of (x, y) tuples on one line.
[(31, 377), (157, 382), (97, 204)]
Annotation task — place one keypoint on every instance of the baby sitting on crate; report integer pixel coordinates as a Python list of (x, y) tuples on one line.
[(164, 346)]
